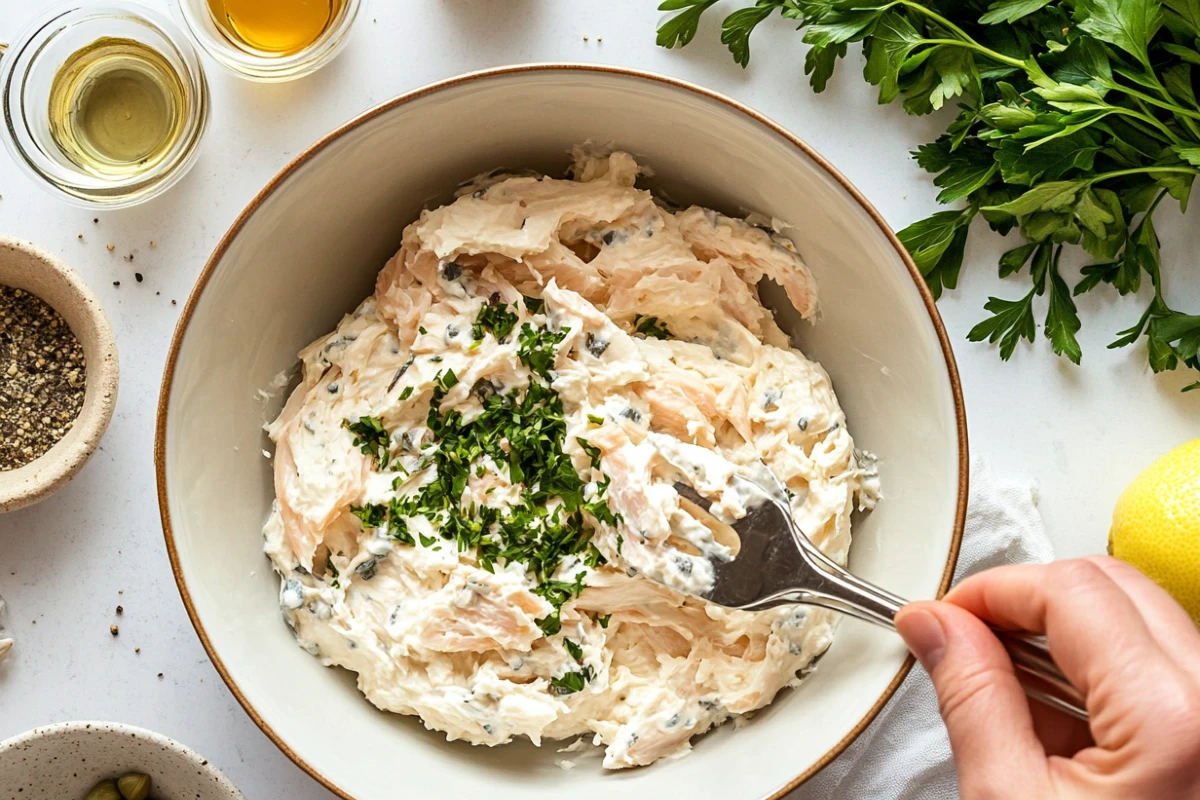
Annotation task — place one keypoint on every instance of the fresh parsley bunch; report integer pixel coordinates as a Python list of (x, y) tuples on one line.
[(1076, 119)]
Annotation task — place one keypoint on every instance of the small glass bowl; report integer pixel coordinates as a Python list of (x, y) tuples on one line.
[(260, 65), (27, 72)]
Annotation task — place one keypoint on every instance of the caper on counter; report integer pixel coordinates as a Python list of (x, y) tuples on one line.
[(130, 786)]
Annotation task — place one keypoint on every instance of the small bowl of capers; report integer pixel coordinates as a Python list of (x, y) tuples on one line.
[(106, 761)]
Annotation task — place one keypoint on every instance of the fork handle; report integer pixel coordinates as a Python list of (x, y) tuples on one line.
[(1039, 676)]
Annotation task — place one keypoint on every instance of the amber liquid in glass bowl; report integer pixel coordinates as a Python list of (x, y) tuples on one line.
[(279, 27)]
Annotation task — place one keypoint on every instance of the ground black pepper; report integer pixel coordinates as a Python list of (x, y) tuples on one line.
[(43, 377)]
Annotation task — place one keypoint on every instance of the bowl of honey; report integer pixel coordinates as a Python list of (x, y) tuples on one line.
[(104, 104), (270, 40)]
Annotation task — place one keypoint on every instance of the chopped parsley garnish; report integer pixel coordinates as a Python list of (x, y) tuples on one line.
[(370, 437), (525, 435), (598, 508), (371, 516), (333, 573), (594, 558), (592, 451), (397, 527), (604, 620), (575, 650), (573, 682), (533, 304), (496, 319), (407, 393), (650, 326), (421, 329), (550, 625), (537, 348), (595, 420)]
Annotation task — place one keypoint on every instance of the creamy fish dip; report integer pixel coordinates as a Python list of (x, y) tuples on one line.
[(475, 509)]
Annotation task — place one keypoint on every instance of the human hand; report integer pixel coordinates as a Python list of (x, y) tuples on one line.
[(1116, 635)]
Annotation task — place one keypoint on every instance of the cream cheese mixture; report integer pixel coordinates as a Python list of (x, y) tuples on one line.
[(475, 507)]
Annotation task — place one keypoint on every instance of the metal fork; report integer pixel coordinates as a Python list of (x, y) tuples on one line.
[(778, 564)]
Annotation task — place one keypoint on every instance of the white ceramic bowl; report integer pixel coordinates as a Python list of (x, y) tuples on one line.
[(307, 250), (64, 761), (25, 266)]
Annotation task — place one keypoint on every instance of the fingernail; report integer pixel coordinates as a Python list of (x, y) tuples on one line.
[(924, 635)]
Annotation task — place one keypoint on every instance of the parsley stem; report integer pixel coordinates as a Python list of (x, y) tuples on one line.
[(950, 26), (971, 44), (1150, 119), (1135, 122), (1120, 173), (1155, 275), (1178, 111)]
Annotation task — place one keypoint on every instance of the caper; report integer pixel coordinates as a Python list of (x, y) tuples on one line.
[(104, 790), (134, 786)]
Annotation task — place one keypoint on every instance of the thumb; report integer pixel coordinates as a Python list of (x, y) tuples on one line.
[(996, 750)]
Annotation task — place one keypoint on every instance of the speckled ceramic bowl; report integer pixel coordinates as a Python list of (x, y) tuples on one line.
[(24, 266), (64, 761)]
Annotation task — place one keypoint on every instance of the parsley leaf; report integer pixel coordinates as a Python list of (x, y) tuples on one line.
[(537, 348), (737, 27), (571, 682), (591, 450), (1062, 319), (371, 516), (680, 29), (370, 437), (496, 319), (1011, 321), (1011, 10), (937, 245), (650, 327)]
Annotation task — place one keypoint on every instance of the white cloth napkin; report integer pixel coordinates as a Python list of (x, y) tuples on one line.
[(904, 754)]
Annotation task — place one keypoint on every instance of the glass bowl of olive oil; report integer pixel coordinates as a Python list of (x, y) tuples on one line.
[(270, 40), (103, 103)]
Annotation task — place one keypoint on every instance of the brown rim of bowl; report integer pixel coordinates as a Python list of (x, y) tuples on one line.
[(366, 116)]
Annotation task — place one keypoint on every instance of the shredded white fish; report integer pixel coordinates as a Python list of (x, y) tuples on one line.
[(431, 631)]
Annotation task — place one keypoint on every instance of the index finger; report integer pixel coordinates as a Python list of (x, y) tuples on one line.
[(1096, 634)]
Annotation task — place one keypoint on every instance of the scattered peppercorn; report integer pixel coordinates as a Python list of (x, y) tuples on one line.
[(137, 276), (114, 630), (120, 610), (43, 377)]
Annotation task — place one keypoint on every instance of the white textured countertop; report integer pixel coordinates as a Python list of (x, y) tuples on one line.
[(66, 564)]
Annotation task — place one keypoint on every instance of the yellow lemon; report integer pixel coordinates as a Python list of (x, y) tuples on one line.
[(1156, 525)]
